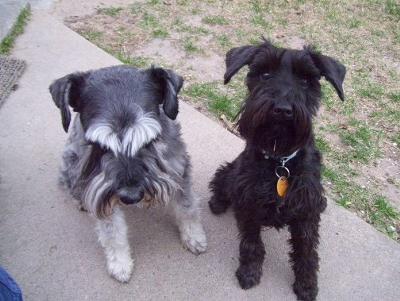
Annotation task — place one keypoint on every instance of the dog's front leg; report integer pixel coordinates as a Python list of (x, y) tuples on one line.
[(252, 253), (113, 236), (304, 257)]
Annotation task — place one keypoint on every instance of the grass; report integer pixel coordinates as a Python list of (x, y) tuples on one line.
[(393, 8), (215, 20), (7, 43), (137, 61), (374, 208), (395, 97), (93, 35), (258, 10), (160, 33), (219, 103), (190, 46), (110, 11), (363, 35), (149, 21), (224, 41), (362, 140)]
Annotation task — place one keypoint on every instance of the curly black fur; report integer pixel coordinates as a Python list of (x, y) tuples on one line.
[(276, 120)]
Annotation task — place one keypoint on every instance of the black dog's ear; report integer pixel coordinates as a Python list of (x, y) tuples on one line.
[(171, 84), (236, 58), (66, 92), (333, 71)]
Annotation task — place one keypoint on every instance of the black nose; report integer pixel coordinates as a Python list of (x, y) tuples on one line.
[(132, 198), (283, 111)]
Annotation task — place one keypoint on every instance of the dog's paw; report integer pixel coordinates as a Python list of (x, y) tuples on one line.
[(217, 207), (193, 238), (305, 292), (120, 268), (248, 276)]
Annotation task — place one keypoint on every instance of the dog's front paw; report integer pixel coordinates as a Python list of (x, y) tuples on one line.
[(248, 276), (305, 292), (193, 238), (120, 268)]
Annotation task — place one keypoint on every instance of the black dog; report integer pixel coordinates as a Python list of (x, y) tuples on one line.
[(275, 181)]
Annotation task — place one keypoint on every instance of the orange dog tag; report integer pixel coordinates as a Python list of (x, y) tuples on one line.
[(282, 186)]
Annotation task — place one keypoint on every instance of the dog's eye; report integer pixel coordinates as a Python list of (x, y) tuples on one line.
[(265, 76)]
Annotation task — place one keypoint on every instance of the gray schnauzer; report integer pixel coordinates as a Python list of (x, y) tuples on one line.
[(124, 147)]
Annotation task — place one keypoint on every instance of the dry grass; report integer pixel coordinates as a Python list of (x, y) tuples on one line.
[(360, 137)]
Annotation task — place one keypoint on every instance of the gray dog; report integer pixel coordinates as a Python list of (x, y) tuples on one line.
[(124, 147)]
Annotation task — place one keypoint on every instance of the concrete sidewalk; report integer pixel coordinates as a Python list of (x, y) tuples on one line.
[(51, 249)]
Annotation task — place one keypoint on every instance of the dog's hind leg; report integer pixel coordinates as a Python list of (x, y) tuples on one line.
[(113, 236), (220, 201), (186, 209), (304, 257)]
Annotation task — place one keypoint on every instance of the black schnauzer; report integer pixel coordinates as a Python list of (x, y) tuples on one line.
[(276, 180)]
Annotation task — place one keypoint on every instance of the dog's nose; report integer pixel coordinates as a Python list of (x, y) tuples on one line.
[(283, 111), (132, 198)]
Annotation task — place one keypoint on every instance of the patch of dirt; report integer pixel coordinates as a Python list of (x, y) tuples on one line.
[(208, 68), (69, 8), (195, 21), (384, 174), (294, 42), (161, 49)]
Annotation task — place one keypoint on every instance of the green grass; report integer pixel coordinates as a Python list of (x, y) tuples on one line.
[(395, 97), (371, 90), (258, 11), (354, 23), (215, 20), (374, 208), (137, 61), (393, 8), (329, 98), (190, 46), (92, 35), (224, 41), (160, 33), (8, 42), (110, 11), (322, 144), (149, 21), (154, 2), (217, 101), (179, 26), (362, 140)]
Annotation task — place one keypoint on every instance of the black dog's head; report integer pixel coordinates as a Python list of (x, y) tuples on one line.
[(121, 111), (284, 93)]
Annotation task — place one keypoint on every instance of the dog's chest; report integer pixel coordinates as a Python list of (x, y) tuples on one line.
[(261, 197)]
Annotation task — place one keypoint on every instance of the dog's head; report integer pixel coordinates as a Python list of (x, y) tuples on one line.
[(284, 93), (122, 110)]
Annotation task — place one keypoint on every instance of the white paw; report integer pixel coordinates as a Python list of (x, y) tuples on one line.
[(194, 238), (120, 269)]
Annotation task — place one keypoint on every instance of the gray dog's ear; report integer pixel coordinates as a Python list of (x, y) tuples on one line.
[(66, 92), (333, 71), (171, 83), (236, 58)]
